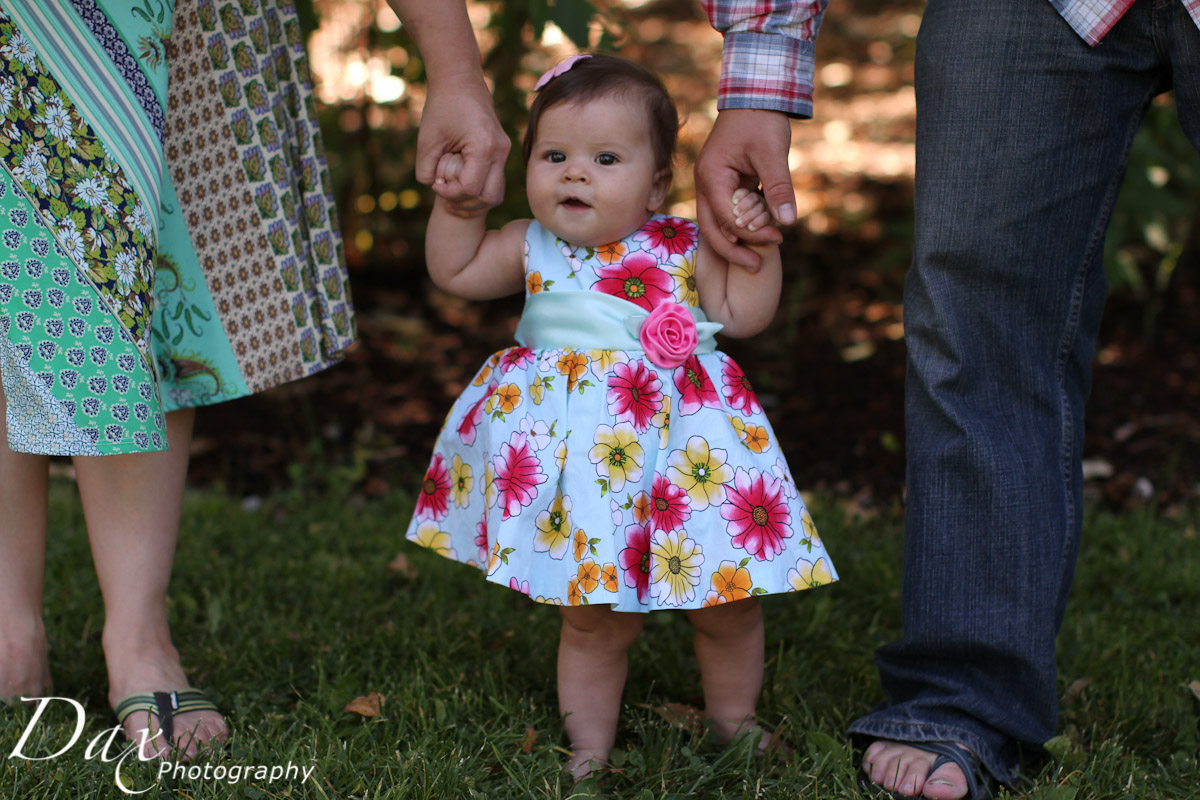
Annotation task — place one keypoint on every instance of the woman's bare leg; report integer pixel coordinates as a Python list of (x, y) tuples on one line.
[(132, 505), (24, 663)]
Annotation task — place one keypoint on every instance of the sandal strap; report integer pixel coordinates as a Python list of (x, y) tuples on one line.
[(164, 705)]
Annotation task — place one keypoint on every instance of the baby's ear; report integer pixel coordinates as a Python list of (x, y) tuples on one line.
[(659, 189)]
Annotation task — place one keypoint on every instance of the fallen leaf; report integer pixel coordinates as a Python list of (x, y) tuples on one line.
[(527, 743), (366, 706), (402, 565), (1076, 688), (1195, 687), (679, 715)]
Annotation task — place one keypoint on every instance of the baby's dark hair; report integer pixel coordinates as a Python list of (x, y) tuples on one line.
[(602, 75)]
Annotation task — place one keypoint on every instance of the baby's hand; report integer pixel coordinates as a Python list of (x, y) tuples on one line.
[(750, 210), (449, 167)]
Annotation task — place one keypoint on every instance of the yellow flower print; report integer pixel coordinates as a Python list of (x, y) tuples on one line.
[(589, 576), (573, 364), (494, 559), (731, 581), (662, 421), (609, 577), (700, 472), (603, 361), (462, 479), (674, 567), (431, 536), (808, 575), (641, 508), (488, 487), (618, 456), (505, 399), (537, 390), (811, 537), (560, 455), (683, 273), (574, 596), (553, 526), (533, 283), (579, 543), (611, 253)]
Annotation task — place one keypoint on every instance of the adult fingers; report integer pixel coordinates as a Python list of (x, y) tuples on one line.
[(723, 243)]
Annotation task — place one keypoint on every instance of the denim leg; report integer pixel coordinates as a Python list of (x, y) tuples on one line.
[(1023, 133)]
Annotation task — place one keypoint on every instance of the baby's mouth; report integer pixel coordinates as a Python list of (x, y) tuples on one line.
[(575, 203)]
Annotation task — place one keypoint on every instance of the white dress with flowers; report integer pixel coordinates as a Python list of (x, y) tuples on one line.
[(576, 472)]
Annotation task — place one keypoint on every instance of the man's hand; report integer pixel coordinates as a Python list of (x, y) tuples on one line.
[(745, 149)]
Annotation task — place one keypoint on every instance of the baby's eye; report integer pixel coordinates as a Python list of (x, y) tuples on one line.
[(555, 156), (606, 159)]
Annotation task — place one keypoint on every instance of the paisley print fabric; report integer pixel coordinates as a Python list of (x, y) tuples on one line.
[(594, 476), (130, 283)]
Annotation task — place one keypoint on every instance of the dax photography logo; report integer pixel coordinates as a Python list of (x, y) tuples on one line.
[(101, 747)]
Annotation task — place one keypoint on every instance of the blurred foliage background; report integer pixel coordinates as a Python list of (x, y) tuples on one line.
[(830, 369)]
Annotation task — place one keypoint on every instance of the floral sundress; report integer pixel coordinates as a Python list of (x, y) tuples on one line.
[(577, 468)]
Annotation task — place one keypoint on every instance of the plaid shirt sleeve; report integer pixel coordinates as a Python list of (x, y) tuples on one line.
[(767, 61)]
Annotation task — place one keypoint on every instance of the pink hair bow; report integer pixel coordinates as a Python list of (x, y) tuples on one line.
[(558, 69)]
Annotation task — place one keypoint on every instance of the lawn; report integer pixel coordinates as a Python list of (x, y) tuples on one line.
[(290, 610)]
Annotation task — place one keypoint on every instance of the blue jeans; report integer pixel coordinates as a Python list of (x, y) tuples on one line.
[(1023, 133)]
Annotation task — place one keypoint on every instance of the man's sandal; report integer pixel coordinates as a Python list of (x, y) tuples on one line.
[(164, 705), (980, 785)]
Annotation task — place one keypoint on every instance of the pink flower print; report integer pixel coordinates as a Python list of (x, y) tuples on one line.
[(518, 474), (695, 388), (481, 538), (636, 279), (757, 511), (634, 394), (635, 560), (470, 421), (737, 389), (433, 501), (515, 357), (670, 505), (667, 236), (522, 586)]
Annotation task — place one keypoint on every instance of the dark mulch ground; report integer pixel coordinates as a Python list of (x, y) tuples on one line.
[(828, 372)]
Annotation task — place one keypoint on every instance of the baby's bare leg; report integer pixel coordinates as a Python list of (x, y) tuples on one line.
[(591, 676), (729, 641)]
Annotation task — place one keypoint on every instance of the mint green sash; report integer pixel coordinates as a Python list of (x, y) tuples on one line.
[(589, 320)]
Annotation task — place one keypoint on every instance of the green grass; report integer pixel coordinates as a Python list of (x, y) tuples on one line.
[(287, 612)]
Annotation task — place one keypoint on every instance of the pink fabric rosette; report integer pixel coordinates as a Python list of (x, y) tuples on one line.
[(668, 335)]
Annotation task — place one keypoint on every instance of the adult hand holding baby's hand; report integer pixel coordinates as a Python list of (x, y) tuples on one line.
[(448, 173), (746, 147), (459, 119)]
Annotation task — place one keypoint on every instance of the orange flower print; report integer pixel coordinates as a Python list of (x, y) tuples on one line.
[(756, 439), (731, 581), (533, 283), (574, 596), (485, 372), (608, 577), (580, 544), (505, 400), (713, 598), (572, 364), (589, 576), (611, 253), (641, 508)]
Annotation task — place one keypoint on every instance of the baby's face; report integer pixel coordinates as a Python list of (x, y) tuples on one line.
[(591, 177)]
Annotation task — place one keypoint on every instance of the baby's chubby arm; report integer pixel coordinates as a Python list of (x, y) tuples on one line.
[(744, 302), (465, 258)]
